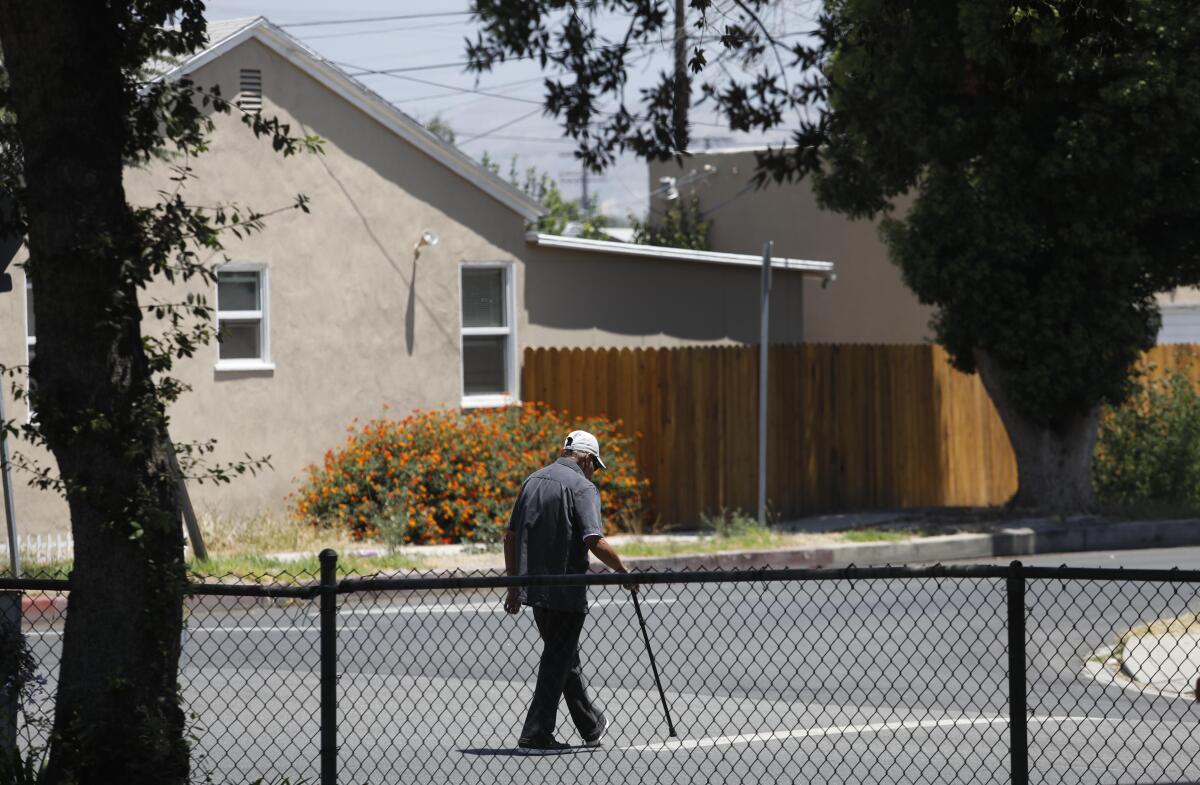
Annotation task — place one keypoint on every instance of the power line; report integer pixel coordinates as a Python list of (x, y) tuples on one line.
[(407, 68), (503, 85), (448, 86), (514, 59), (379, 32), (455, 91), (500, 127), (363, 20), (539, 139)]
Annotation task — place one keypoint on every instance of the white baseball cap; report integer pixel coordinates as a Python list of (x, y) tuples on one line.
[(582, 441)]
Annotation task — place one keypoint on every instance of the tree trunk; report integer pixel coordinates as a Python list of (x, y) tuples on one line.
[(117, 715), (1054, 464)]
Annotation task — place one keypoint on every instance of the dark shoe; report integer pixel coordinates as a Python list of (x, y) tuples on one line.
[(543, 746), (597, 737)]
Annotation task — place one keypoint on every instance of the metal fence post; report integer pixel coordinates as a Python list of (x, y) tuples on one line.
[(12, 646), (329, 667), (1018, 718)]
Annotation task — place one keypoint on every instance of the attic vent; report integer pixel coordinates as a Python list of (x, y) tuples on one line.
[(250, 90)]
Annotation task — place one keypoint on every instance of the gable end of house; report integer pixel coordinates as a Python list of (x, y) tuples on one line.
[(227, 36)]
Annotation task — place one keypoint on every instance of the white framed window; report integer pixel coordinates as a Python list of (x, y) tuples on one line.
[(489, 334), (243, 318)]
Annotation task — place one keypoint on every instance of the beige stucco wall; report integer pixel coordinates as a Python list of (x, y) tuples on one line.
[(1184, 296), (36, 511), (355, 322), (867, 304), (573, 299)]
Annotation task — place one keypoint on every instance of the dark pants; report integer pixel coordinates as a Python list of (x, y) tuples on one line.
[(559, 675)]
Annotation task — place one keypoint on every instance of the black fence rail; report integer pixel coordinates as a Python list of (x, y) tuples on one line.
[(942, 674)]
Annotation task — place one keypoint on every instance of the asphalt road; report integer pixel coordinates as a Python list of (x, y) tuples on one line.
[(826, 681)]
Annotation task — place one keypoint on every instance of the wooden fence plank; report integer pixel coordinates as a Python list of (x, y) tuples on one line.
[(850, 427)]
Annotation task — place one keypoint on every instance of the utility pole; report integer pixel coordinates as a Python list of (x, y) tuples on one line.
[(583, 200), (764, 345), (585, 178), (683, 91)]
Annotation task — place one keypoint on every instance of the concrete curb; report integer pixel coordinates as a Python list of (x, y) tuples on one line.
[(38, 606), (50, 606), (1036, 536)]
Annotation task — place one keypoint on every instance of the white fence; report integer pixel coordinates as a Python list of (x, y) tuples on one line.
[(41, 548)]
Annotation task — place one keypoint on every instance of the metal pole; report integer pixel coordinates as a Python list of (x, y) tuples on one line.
[(1018, 718), (185, 505), (764, 342), (583, 199), (329, 668), (10, 515), (10, 688)]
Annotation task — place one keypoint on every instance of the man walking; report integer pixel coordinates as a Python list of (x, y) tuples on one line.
[(554, 524)]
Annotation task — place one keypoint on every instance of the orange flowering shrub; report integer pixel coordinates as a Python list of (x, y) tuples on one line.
[(453, 476)]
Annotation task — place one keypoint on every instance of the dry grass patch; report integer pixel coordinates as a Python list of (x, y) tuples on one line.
[(263, 534)]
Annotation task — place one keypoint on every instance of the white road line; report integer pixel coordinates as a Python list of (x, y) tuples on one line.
[(842, 730), (417, 610), (314, 629), (492, 607), (263, 629)]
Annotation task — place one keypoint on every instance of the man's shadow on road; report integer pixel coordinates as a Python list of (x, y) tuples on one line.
[(517, 752)]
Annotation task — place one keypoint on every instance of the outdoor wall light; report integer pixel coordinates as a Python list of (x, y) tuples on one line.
[(427, 238), (672, 191)]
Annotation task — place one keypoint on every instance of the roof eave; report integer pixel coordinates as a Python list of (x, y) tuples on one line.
[(805, 266)]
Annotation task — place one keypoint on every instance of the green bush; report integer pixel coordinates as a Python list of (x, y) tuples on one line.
[(453, 476), (1148, 451)]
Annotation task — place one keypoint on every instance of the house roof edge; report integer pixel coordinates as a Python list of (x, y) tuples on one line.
[(370, 102), (806, 266)]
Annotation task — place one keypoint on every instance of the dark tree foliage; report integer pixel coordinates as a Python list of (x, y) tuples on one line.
[(1045, 150), (80, 101)]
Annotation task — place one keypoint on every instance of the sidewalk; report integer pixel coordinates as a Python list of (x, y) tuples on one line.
[(1161, 657), (821, 542), (1169, 663)]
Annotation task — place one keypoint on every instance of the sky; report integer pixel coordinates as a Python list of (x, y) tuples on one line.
[(503, 127)]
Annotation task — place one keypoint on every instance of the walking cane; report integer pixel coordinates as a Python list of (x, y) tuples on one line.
[(653, 667)]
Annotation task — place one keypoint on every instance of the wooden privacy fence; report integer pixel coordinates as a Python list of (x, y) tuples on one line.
[(851, 427)]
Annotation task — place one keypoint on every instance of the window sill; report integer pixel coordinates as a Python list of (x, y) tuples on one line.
[(244, 366), (488, 401)]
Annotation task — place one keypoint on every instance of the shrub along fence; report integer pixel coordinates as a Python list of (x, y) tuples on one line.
[(851, 427)]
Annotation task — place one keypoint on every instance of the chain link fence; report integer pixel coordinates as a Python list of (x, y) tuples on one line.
[(955, 675)]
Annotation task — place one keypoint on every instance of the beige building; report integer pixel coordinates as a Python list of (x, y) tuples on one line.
[(329, 317), (868, 303)]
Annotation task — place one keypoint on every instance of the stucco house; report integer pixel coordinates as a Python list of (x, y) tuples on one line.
[(869, 302), (332, 316)]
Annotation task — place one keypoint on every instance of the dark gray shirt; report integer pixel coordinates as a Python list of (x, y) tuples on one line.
[(557, 508)]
